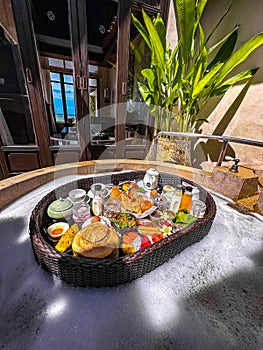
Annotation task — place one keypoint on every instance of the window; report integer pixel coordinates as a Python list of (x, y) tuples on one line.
[(63, 97), (93, 97)]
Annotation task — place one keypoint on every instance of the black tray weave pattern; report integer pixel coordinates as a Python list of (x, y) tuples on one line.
[(84, 272)]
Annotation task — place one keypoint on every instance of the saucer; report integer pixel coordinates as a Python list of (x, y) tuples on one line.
[(106, 193)]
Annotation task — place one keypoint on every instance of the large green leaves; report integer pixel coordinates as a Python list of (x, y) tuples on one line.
[(240, 77), (186, 13), (240, 56), (185, 78), (206, 81), (156, 41), (142, 30), (225, 50)]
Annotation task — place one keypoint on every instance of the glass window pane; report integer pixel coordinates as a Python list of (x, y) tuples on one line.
[(15, 115), (70, 100), (54, 76), (55, 62), (15, 121), (93, 102), (93, 82), (58, 104), (69, 64), (68, 78), (93, 69)]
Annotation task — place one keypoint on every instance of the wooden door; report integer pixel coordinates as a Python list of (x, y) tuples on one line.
[(24, 134), (133, 125)]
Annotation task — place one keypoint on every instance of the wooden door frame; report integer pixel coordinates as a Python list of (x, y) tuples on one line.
[(29, 57), (78, 29), (3, 165), (123, 38)]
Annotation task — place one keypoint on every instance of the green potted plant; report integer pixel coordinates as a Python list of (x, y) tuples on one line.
[(179, 82)]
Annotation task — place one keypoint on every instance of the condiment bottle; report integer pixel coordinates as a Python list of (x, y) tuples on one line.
[(115, 191), (97, 203), (178, 189), (186, 199)]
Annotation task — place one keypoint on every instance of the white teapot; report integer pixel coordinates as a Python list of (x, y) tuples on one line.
[(150, 180)]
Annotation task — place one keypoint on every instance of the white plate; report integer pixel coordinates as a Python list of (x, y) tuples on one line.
[(107, 193), (144, 214), (103, 220)]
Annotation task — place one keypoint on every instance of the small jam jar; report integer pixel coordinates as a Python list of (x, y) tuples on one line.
[(81, 212)]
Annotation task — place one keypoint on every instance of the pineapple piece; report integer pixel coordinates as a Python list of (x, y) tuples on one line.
[(66, 239)]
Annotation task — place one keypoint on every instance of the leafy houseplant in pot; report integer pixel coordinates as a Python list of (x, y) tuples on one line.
[(179, 82)]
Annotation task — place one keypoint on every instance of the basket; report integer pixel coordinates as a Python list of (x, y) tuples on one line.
[(84, 272)]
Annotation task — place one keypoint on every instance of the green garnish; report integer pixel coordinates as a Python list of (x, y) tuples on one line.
[(183, 217), (140, 189)]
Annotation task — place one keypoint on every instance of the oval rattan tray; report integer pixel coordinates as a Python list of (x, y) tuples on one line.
[(111, 272)]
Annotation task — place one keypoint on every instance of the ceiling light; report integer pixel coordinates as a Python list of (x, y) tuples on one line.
[(51, 15)]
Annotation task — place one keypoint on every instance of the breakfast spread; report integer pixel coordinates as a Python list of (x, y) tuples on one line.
[(132, 216)]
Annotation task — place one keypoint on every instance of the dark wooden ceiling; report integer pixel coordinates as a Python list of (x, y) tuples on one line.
[(51, 26)]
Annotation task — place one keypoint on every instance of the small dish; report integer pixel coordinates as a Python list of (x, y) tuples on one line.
[(169, 214), (164, 222), (156, 215), (124, 220), (168, 188), (105, 193), (77, 195), (56, 230), (145, 213), (103, 220)]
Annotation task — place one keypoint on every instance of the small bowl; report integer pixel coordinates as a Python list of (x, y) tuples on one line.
[(77, 195), (168, 188), (169, 213), (164, 222), (156, 216), (160, 201), (60, 227)]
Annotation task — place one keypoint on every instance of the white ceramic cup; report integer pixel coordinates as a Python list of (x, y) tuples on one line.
[(77, 195)]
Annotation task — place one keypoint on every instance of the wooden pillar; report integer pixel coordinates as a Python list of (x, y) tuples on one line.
[(123, 41), (79, 42)]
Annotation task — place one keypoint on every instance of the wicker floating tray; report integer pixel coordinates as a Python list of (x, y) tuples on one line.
[(111, 272)]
